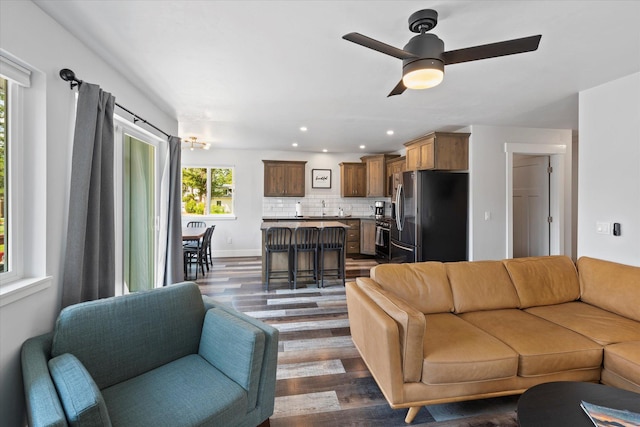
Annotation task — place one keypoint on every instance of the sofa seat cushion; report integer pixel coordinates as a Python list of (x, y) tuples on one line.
[(623, 359), (199, 395), (455, 351), (595, 323), (544, 348)]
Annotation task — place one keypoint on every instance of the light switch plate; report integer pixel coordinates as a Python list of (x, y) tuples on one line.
[(603, 228)]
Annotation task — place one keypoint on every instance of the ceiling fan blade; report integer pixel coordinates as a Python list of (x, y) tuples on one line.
[(377, 45), (400, 87), (492, 50)]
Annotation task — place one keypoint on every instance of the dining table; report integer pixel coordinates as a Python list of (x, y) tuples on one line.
[(193, 233)]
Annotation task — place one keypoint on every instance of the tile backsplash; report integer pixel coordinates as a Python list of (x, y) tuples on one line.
[(285, 207)]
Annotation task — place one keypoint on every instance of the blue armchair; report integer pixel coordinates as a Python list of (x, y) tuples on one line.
[(165, 357)]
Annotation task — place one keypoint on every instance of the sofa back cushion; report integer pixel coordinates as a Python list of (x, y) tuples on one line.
[(121, 337), (481, 285), (611, 286), (424, 284), (544, 280)]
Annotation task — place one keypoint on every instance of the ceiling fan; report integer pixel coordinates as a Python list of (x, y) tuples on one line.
[(424, 58)]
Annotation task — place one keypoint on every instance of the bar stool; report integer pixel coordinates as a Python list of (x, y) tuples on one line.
[(277, 239), (305, 241), (332, 239)]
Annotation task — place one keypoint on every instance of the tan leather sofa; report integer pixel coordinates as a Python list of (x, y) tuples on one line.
[(443, 332)]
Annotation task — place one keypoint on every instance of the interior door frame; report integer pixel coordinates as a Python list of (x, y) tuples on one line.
[(556, 153)]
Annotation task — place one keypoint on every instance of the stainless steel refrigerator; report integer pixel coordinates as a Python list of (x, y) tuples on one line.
[(431, 210)]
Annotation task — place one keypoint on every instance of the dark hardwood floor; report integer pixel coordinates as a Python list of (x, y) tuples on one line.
[(321, 379)]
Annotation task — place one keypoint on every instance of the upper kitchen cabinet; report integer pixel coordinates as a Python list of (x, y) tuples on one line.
[(395, 167), (284, 178), (439, 150), (376, 175), (353, 179)]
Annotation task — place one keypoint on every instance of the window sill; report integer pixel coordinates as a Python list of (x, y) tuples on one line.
[(209, 217), (22, 288)]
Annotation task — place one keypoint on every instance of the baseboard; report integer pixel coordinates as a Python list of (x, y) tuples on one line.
[(231, 253)]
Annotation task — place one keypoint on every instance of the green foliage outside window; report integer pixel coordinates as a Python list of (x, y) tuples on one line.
[(216, 194)]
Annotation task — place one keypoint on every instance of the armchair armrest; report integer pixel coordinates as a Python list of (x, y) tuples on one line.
[(267, 387), (43, 405), (236, 348)]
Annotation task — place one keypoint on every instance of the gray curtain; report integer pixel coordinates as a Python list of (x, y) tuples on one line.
[(89, 267), (173, 272)]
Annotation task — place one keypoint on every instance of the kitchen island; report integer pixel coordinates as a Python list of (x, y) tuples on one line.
[(279, 260)]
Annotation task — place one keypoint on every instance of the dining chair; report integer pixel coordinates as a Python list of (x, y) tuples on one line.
[(196, 224)]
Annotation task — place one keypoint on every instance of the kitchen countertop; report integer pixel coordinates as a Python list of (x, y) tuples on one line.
[(295, 224), (316, 217)]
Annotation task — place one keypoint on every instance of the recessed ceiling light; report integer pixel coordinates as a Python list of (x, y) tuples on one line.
[(362, 147), (295, 144), (303, 128), (324, 150), (390, 132)]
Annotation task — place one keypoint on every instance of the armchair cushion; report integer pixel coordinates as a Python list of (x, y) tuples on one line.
[(236, 348), (185, 392), (82, 401)]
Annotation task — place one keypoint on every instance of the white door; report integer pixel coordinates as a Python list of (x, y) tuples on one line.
[(530, 205)]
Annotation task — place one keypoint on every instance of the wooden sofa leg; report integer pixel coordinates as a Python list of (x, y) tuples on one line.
[(413, 411), (265, 423)]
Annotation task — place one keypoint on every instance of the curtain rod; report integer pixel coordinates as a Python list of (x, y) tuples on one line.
[(69, 76)]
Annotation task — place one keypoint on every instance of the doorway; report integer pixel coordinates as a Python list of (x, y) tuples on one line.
[(556, 154), (531, 209)]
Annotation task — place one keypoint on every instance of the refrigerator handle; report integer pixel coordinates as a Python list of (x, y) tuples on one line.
[(406, 248), (400, 207)]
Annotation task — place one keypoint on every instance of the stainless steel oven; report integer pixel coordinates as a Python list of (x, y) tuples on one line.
[(383, 240)]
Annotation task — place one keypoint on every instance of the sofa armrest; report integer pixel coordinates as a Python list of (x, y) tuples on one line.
[(377, 338), (411, 325), (43, 405)]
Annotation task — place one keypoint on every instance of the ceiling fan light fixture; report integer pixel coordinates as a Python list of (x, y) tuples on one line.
[(423, 74)]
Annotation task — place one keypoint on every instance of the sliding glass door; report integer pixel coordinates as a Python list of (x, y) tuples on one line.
[(139, 214)]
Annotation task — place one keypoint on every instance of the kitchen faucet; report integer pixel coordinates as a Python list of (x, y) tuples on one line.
[(323, 206)]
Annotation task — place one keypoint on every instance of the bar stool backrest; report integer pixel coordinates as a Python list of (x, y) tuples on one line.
[(277, 239), (306, 238), (332, 237)]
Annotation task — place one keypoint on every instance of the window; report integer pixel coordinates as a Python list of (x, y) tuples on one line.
[(208, 191), (23, 197)]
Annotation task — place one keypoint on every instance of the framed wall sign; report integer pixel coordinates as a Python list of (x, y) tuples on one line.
[(321, 178)]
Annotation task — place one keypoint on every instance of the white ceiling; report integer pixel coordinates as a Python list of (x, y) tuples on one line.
[(248, 74)]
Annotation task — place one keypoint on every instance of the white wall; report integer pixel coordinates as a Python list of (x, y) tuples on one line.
[(488, 175), (30, 35), (609, 175), (250, 206)]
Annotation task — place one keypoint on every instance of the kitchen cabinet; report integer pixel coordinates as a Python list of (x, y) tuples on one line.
[(439, 151), (368, 236), (395, 167), (353, 236), (376, 175), (353, 179), (284, 178)]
